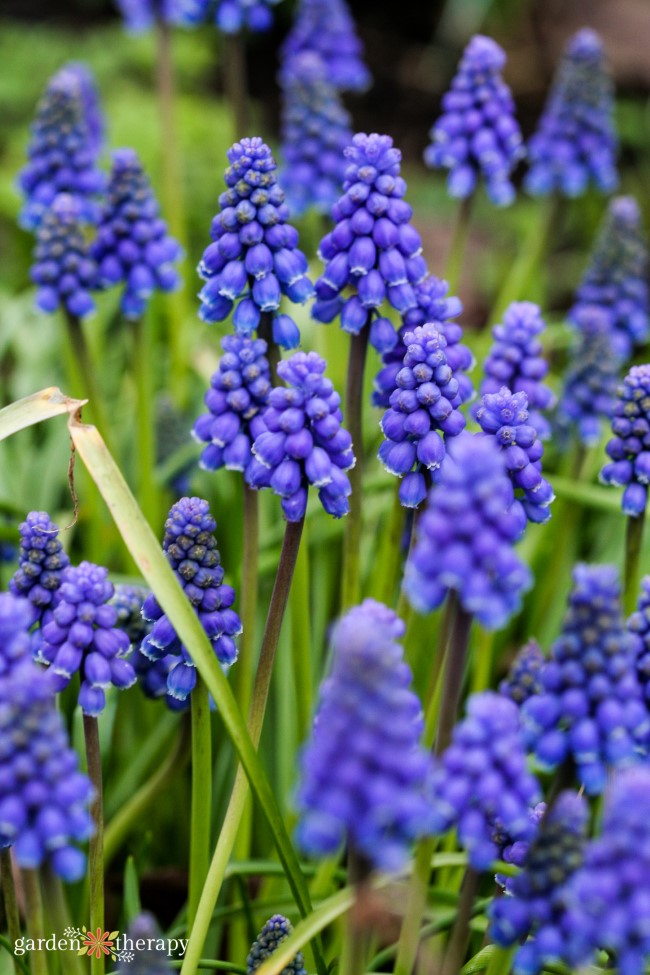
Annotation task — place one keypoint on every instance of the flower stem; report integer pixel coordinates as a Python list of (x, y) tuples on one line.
[(86, 382), (35, 920), (351, 573), (201, 795), (265, 331), (633, 544), (409, 937), (458, 243), (458, 941), (234, 58), (9, 898), (57, 910), (355, 941), (143, 365), (388, 554), (96, 845), (460, 624), (301, 641)]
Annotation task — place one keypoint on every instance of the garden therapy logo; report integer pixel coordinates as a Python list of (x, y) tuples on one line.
[(98, 944)]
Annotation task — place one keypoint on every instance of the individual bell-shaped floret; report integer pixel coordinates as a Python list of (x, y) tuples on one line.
[(63, 269), (41, 561), (523, 679), (326, 27), (515, 851), (629, 448), (276, 930), (477, 134)]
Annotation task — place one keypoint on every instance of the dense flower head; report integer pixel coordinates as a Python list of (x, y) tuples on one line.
[(523, 679), (575, 143), (276, 930), (254, 257), (239, 392), (538, 912), (151, 674), (63, 269), (303, 442), (62, 152), (615, 280), (374, 250), (127, 599), (81, 635), (516, 361), (504, 419), (152, 959), (515, 851), (326, 27), (590, 710), (363, 777), (132, 246), (15, 621), (191, 549), (629, 448), (639, 624), (477, 133), (482, 779), (423, 407), (466, 535), (41, 561), (316, 128), (91, 104), (229, 16)]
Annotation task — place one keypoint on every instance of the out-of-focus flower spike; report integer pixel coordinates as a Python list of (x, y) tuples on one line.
[(326, 27)]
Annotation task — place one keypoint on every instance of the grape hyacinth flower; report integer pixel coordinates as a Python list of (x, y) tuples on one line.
[(373, 250), (423, 407), (128, 601), (63, 269), (515, 851), (132, 245), (590, 710), (15, 641), (229, 16), (326, 27), (477, 133), (41, 562), (151, 674), (615, 280), (62, 152), (503, 417), (523, 679), (254, 258), (276, 930), (303, 442), (316, 128), (141, 15), (82, 636), (363, 778), (91, 104), (191, 550), (575, 143), (629, 448), (639, 624), (466, 535), (239, 392), (516, 361), (482, 780), (538, 912)]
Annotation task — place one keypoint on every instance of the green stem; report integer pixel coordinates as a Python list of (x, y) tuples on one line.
[(249, 594), (388, 557), (351, 573), (35, 920), (633, 545), (19, 963), (96, 845), (9, 899), (409, 938), (265, 331), (483, 660), (86, 382), (458, 243), (457, 946), (301, 642), (355, 941), (500, 961), (460, 624), (234, 57), (57, 909), (201, 795), (143, 365)]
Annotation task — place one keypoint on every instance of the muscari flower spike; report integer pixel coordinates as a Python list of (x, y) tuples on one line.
[(229, 16), (477, 133), (504, 419), (423, 407), (615, 280), (303, 442), (590, 710), (316, 128), (151, 674), (191, 550), (538, 912), (374, 250), (482, 779), (63, 269), (326, 27), (141, 15), (62, 152), (629, 448), (523, 679), (41, 562), (239, 393), (575, 143), (466, 535), (515, 851), (639, 624), (276, 930), (254, 258), (82, 636), (516, 361), (132, 246), (363, 778), (91, 104)]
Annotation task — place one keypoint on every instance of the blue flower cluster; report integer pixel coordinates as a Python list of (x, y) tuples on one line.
[(239, 391), (141, 15), (15, 640), (362, 777), (41, 561), (503, 417), (326, 27), (615, 280), (575, 142), (482, 779), (316, 128), (254, 258), (591, 709), (629, 448), (63, 268), (229, 16), (516, 361), (303, 441), (276, 930), (523, 679), (423, 406), (191, 550), (466, 535), (373, 249), (477, 133), (639, 624), (90, 103), (515, 851)]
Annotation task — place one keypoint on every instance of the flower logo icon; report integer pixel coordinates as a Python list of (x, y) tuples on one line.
[(99, 943)]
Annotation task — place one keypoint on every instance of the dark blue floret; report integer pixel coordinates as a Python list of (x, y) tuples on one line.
[(326, 27), (303, 442), (523, 678), (590, 710), (41, 562), (515, 851), (629, 448), (575, 143), (229, 16), (363, 777), (276, 930), (63, 269), (477, 133)]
